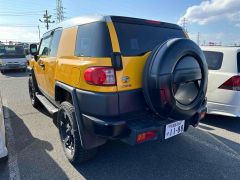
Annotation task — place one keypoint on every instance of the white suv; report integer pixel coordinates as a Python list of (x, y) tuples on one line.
[(224, 80)]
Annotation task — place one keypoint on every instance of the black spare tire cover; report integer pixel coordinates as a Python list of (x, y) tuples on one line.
[(175, 79)]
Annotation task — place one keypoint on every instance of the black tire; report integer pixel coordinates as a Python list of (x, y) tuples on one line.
[(69, 136), (175, 79), (32, 86)]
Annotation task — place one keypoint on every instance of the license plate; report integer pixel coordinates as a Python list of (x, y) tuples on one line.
[(174, 129)]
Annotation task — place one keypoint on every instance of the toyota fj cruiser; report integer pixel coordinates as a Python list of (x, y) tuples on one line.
[(117, 78)]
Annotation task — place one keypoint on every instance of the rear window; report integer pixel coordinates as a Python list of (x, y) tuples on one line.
[(137, 39), (214, 59), (93, 40), (238, 62)]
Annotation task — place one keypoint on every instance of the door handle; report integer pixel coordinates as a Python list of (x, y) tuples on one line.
[(41, 64)]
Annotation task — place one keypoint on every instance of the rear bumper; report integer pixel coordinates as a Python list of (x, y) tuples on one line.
[(121, 115), (128, 127), (223, 109)]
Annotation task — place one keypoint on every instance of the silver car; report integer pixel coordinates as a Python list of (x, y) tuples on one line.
[(12, 57)]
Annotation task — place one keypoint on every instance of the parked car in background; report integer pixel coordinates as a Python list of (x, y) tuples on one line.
[(223, 92), (12, 57), (3, 149)]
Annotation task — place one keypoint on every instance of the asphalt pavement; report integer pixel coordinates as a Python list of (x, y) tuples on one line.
[(211, 151)]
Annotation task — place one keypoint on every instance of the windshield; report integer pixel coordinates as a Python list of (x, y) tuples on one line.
[(137, 39), (11, 51)]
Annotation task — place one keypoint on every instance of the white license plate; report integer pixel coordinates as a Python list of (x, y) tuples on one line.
[(174, 129)]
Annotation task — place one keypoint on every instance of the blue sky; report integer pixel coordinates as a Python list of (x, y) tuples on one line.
[(215, 20)]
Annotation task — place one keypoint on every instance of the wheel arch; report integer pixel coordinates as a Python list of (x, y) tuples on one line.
[(88, 140)]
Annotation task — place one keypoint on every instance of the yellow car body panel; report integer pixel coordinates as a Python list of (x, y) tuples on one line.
[(132, 70)]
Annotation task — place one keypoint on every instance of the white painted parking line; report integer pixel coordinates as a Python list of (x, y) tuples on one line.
[(12, 155)]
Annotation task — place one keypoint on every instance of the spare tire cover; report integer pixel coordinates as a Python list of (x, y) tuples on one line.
[(175, 79)]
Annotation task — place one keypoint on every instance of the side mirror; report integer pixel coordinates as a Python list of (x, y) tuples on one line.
[(33, 50)]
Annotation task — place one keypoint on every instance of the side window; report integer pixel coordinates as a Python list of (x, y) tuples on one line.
[(214, 59), (44, 47), (93, 40), (55, 43)]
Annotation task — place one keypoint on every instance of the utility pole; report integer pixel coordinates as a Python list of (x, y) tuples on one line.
[(59, 11), (39, 33), (46, 19)]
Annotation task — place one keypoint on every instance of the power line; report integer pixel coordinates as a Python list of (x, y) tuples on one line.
[(18, 25), (19, 14)]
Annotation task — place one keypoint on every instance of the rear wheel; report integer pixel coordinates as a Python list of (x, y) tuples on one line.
[(32, 93), (69, 135)]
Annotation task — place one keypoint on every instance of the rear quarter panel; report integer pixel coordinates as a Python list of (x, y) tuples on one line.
[(70, 68)]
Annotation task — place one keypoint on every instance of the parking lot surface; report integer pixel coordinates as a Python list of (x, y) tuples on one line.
[(211, 151)]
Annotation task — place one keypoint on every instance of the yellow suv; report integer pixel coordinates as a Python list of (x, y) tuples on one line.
[(117, 78)]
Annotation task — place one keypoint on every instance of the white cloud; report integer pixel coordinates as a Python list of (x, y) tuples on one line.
[(212, 10), (19, 34)]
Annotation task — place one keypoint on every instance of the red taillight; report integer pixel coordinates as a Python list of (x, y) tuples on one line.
[(232, 84), (146, 136), (104, 76)]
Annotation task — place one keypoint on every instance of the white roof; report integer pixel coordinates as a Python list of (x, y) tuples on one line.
[(221, 48), (81, 20)]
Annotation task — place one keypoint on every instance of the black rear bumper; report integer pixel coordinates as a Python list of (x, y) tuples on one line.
[(127, 128), (121, 115)]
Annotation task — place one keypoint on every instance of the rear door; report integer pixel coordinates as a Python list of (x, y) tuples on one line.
[(136, 39)]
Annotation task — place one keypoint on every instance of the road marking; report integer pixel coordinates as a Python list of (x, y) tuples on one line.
[(229, 152), (12, 154)]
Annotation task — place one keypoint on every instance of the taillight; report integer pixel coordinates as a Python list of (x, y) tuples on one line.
[(102, 76), (232, 84), (146, 136)]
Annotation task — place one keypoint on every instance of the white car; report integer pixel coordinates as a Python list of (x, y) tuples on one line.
[(3, 149), (223, 92), (12, 57)]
